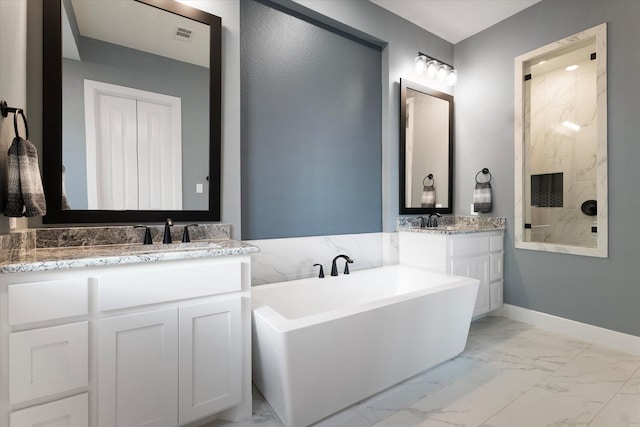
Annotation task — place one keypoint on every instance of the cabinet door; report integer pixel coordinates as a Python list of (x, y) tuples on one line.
[(210, 357), (138, 370), (45, 361), (70, 412), (478, 268)]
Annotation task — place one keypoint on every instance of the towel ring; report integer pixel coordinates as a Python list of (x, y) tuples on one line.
[(24, 120), (484, 171), (430, 176)]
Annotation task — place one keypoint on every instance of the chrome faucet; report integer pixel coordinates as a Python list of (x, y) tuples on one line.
[(432, 221), (334, 267)]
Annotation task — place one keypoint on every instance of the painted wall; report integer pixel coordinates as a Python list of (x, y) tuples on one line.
[(601, 292), (13, 85), (311, 135)]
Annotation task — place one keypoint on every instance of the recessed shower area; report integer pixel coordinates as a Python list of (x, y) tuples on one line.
[(561, 145)]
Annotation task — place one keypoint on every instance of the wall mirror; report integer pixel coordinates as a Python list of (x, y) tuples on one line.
[(131, 111), (561, 146), (426, 150)]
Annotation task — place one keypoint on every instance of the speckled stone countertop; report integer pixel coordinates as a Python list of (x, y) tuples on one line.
[(454, 224), (59, 248)]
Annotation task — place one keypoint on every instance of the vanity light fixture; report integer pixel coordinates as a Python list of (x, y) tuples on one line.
[(436, 69)]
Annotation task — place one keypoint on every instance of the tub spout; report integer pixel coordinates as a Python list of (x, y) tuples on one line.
[(334, 267)]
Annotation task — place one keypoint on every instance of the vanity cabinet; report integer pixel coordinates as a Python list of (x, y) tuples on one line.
[(477, 254), (154, 344)]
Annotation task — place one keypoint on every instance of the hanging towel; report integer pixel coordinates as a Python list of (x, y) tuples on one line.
[(65, 201), (25, 194), (428, 196), (482, 197)]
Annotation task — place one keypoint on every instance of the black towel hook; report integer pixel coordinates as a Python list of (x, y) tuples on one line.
[(5, 110), (24, 120), (484, 171), (430, 176)]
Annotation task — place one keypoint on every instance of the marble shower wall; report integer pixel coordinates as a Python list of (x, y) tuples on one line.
[(558, 96), (293, 258)]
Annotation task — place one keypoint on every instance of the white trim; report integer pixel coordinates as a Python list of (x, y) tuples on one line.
[(585, 332)]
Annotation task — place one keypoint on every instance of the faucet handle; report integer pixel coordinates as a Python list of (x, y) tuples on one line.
[(185, 233), (321, 275), (167, 231), (147, 234)]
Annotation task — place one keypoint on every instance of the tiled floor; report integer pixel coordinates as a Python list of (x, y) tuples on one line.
[(510, 375)]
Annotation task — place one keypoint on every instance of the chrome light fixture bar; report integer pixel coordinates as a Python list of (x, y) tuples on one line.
[(436, 69)]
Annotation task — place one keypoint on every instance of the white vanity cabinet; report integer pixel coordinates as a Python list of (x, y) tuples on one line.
[(144, 344), (477, 254)]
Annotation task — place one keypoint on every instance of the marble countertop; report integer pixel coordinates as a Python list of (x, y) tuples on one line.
[(454, 225), (42, 259)]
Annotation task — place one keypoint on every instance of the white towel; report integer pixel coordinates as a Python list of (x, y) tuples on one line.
[(482, 197), (25, 194)]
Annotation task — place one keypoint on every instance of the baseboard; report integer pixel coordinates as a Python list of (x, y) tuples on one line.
[(589, 333)]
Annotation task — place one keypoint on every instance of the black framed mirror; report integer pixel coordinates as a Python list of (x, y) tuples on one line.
[(426, 150), (174, 169)]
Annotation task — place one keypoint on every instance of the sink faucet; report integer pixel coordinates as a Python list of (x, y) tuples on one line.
[(421, 218), (334, 267), (432, 221)]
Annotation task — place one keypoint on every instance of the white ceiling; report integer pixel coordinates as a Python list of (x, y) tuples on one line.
[(455, 20)]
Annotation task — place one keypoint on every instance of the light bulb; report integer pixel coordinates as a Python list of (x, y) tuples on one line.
[(442, 73), (452, 77), (421, 64), (432, 67)]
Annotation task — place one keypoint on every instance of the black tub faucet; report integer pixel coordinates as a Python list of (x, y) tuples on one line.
[(334, 267)]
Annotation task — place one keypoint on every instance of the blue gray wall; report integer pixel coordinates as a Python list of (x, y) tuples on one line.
[(106, 62), (311, 128), (601, 292)]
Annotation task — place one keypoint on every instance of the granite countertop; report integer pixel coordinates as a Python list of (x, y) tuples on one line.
[(455, 225), (52, 249)]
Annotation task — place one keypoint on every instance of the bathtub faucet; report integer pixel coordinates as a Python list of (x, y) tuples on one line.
[(334, 267)]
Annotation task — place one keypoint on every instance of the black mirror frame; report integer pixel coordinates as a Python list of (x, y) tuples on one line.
[(404, 85), (52, 124)]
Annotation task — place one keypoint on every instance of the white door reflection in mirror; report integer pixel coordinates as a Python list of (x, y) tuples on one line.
[(561, 169), (134, 159)]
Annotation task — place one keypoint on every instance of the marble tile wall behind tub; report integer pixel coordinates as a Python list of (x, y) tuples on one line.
[(293, 258)]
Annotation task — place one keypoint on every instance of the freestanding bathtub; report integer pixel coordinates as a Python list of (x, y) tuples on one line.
[(321, 345)]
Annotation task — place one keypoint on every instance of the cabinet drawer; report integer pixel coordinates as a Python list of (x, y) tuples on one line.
[(168, 283), (38, 301), (70, 412), (48, 360), (469, 246)]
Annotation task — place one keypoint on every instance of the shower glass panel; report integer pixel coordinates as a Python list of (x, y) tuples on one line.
[(561, 146)]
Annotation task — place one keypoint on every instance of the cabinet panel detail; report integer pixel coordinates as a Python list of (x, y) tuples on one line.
[(469, 246), (137, 370), (36, 302), (210, 357), (70, 412), (496, 266), (48, 360), (496, 294), (167, 283)]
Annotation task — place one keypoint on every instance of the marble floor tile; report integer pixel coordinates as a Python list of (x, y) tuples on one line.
[(509, 375)]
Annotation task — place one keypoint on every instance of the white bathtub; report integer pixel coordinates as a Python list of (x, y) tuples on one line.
[(320, 345)]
